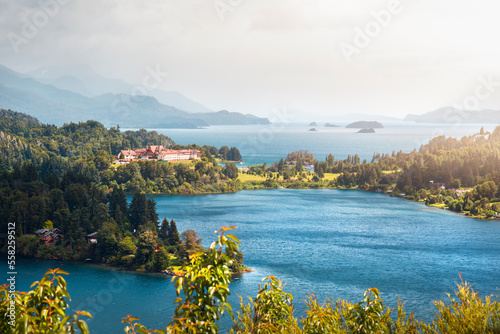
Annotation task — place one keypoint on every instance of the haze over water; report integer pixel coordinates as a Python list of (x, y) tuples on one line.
[(269, 143)]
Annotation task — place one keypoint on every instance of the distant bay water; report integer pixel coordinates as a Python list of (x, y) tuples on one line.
[(269, 143), (332, 242)]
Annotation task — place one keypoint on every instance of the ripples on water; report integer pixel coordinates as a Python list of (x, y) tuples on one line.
[(335, 243)]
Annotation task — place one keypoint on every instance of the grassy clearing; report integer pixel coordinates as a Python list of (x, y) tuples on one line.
[(438, 205), (331, 176), (246, 178), (220, 161)]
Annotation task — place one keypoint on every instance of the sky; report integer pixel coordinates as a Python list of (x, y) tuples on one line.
[(318, 57)]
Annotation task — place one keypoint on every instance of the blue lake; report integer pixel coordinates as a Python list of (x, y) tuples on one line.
[(331, 242)]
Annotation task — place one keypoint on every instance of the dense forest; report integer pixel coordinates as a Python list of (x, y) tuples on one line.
[(63, 178)]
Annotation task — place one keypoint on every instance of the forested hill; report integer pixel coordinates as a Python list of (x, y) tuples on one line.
[(468, 161), (63, 177), (23, 137)]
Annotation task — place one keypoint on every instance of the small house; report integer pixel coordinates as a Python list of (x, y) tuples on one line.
[(92, 238)]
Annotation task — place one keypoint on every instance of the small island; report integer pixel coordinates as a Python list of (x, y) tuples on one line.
[(368, 130), (365, 125), (312, 129), (330, 125), (313, 124)]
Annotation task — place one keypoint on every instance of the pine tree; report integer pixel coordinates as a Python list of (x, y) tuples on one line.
[(173, 234), (152, 216), (164, 230), (160, 260), (29, 172), (117, 199), (121, 220), (138, 210), (234, 154), (281, 165)]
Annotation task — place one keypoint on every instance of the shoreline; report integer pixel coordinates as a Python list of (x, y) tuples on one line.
[(108, 267)]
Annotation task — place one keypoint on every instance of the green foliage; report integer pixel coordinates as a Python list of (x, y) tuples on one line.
[(205, 285), (139, 210), (48, 225), (236, 257), (271, 311), (146, 246), (107, 241), (41, 310), (189, 245), (134, 327), (229, 154), (367, 316), (163, 230), (468, 314), (28, 245), (126, 247), (231, 171), (304, 156), (173, 234), (160, 260)]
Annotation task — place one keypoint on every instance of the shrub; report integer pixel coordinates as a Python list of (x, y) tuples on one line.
[(41, 310), (468, 314)]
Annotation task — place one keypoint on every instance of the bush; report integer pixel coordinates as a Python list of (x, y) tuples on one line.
[(28, 245), (468, 314), (41, 310)]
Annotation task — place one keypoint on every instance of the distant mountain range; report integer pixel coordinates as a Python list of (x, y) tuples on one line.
[(56, 99), (454, 115)]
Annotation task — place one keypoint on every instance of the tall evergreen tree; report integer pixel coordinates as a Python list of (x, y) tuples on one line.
[(173, 234), (138, 210), (29, 172), (224, 152), (281, 165), (117, 199), (164, 230), (152, 216), (234, 154), (121, 220)]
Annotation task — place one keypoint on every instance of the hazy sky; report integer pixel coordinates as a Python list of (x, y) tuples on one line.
[(323, 57)]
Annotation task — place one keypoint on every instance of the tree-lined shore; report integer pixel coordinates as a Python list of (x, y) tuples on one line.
[(462, 175), (68, 201)]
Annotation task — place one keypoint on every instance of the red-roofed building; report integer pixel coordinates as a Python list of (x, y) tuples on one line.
[(158, 152), (49, 236)]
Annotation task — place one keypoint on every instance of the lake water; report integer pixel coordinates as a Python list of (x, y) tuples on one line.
[(331, 242), (269, 143)]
